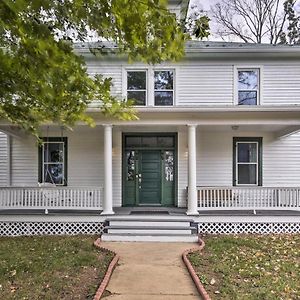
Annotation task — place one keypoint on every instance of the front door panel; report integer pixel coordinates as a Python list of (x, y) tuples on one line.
[(149, 177)]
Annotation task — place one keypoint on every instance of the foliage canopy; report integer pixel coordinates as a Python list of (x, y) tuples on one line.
[(43, 80)]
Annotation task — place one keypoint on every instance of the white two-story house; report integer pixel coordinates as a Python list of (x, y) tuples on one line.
[(216, 141)]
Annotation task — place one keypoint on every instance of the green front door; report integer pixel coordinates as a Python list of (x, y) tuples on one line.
[(149, 174), (149, 177)]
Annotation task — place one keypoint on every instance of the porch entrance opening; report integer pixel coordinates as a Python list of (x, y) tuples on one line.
[(149, 170)]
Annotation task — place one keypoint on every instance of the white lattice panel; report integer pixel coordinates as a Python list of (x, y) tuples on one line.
[(261, 228), (50, 228)]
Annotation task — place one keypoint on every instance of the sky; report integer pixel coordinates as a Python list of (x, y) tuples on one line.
[(206, 6)]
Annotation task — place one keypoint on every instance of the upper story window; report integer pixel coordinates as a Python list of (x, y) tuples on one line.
[(248, 86), (163, 88), (150, 87), (137, 86)]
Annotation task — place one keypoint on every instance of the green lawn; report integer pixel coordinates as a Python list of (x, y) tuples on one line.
[(51, 267), (250, 267)]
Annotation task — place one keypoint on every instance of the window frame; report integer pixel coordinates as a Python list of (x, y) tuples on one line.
[(149, 83), (146, 88), (259, 89), (41, 164), (170, 90), (245, 140)]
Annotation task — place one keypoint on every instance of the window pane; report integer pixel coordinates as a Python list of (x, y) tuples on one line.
[(136, 80), (165, 141), (53, 152), (247, 152), (169, 165), (163, 98), (247, 174), (133, 141), (130, 165), (53, 173), (248, 80), (139, 97), (247, 98), (163, 80), (150, 141)]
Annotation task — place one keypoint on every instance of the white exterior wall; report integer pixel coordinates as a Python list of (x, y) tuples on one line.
[(212, 83), (281, 159), (3, 159)]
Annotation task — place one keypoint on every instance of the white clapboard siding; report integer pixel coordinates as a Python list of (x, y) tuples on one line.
[(113, 71), (201, 84), (24, 160), (211, 83), (3, 159), (281, 159), (281, 84)]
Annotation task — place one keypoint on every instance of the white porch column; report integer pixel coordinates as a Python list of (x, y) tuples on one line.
[(192, 172), (108, 195)]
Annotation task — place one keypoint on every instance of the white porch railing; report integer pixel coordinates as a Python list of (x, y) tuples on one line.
[(252, 198), (51, 198)]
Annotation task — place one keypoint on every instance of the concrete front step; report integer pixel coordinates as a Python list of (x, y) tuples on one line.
[(160, 223), (148, 238), (150, 230)]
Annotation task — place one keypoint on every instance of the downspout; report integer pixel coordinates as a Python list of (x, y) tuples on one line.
[(9, 152)]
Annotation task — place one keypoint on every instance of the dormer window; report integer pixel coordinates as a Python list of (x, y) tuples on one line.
[(248, 86)]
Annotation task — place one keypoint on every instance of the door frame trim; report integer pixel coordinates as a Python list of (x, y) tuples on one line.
[(158, 134)]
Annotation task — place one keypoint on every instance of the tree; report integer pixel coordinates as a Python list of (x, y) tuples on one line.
[(252, 21), (43, 80), (292, 36)]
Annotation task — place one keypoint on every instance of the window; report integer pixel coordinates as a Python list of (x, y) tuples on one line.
[(248, 86), (137, 87), (163, 88), (153, 87), (247, 161), (53, 161)]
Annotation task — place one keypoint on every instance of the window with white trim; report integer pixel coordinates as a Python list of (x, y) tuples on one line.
[(53, 161), (137, 86), (153, 87), (248, 86), (163, 87), (247, 161)]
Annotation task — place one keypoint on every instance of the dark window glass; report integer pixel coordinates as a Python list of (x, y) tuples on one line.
[(163, 98), (247, 152), (53, 152), (53, 173), (163, 80), (165, 141), (163, 88), (149, 141), (248, 86), (130, 159), (247, 98), (247, 173), (136, 80), (169, 165), (248, 80), (133, 141), (139, 97)]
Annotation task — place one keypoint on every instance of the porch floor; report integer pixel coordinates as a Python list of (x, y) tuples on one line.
[(141, 211)]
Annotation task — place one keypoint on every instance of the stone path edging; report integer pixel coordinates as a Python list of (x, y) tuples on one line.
[(108, 273), (192, 272)]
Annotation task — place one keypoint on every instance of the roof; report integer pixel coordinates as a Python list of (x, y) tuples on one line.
[(194, 48)]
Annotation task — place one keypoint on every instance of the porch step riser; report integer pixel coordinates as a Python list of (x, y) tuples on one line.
[(150, 231), (149, 238), (146, 223)]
